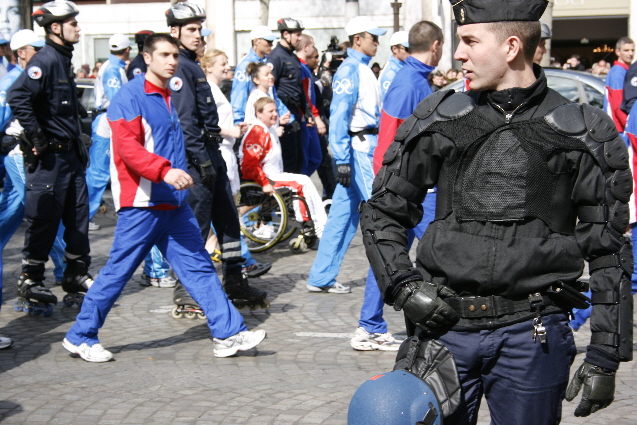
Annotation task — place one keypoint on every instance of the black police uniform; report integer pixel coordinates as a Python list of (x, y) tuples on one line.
[(44, 97), (286, 69), (136, 67), (197, 111), (515, 170)]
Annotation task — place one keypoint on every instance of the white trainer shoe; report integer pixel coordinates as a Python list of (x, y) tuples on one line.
[(265, 231), (95, 353), (5, 342), (337, 288), (365, 341), (242, 341)]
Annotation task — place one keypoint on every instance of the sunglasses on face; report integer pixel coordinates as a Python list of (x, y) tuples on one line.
[(374, 37)]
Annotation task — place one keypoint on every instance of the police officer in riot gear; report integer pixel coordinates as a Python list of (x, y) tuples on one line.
[(137, 65), (286, 69), (44, 100), (529, 186), (211, 197)]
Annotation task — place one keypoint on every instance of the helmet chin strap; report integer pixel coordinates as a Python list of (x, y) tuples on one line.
[(61, 35)]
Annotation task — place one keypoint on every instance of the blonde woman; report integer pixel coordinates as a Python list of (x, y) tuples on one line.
[(215, 65)]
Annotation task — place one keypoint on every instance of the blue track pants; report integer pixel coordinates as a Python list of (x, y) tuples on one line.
[(178, 236)]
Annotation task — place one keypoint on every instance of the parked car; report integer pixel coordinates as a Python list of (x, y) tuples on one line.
[(86, 95), (576, 86)]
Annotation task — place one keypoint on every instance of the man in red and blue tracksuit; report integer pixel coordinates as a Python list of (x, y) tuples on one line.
[(614, 90), (409, 87), (148, 166)]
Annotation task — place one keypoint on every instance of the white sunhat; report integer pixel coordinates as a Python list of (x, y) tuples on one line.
[(361, 24), (263, 32), (399, 38), (25, 38), (118, 42)]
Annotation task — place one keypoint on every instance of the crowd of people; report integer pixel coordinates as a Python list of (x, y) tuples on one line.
[(508, 187)]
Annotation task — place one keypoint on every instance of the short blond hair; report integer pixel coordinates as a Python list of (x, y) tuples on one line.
[(210, 57), (261, 102)]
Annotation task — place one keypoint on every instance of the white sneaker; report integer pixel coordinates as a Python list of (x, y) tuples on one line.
[(242, 341), (365, 341), (5, 342), (158, 282), (265, 231), (337, 288), (95, 353)]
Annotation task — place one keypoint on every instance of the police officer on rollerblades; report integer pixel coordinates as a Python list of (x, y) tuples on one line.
[(44, 100), (211, 197), (529, 186)]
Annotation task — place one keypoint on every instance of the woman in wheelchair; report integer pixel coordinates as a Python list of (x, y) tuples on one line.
[(261, 161)]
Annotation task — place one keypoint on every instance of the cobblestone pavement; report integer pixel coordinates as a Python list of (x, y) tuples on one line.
[(164, 371)]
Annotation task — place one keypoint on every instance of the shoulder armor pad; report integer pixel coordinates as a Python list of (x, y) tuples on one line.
[(595, 128), (443, 105)]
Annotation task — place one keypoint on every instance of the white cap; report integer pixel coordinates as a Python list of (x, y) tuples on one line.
[(118, 42), (263, 32), (399, 38), (25, 38), (361, 24)]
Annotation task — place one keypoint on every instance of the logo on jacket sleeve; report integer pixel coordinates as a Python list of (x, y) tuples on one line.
[(34, 72), (137, 71), (176, 84), (343, 86), (633, 81)]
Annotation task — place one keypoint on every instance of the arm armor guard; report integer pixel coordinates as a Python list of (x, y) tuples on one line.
[(384, 236), (611, 261)]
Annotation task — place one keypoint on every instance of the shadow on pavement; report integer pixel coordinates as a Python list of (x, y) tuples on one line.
[(9, 408)]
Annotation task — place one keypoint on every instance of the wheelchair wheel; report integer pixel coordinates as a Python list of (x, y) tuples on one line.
[(263, 219), (293, 225)]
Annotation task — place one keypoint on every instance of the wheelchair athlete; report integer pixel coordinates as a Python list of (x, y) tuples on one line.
[(262, 161)]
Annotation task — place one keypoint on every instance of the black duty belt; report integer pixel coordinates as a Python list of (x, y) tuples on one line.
[(360, 134), (59, 146), (491, 306)]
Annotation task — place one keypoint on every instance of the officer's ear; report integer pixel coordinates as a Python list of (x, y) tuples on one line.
[(56, 28), (147, 58)]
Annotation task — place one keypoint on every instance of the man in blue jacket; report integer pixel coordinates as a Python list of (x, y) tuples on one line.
[(354, 119), (399, 43), (148, 152)]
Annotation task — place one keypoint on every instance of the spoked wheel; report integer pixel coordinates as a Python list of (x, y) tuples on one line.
[(263, 218)]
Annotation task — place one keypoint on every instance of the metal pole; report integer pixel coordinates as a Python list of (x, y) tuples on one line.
[(396, 5)]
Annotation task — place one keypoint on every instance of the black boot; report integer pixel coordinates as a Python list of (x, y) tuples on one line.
[(76, 277)]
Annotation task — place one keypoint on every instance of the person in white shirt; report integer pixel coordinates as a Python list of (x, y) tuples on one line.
[(263, 80)]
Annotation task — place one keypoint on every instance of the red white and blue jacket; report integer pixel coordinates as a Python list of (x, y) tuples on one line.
[(409, 87), (614, 94), (630, 134), (147, 141)]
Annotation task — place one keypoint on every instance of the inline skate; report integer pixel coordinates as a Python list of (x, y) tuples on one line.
[(76, 281), (33, 297), (185, 306), (243, 295)]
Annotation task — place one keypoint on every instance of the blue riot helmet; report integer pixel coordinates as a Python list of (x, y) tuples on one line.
[(397, 398)]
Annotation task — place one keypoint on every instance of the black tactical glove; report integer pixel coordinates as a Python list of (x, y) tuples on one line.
[(343, 174), (599, 388), (208, 174), (422, 303), (39, 142)]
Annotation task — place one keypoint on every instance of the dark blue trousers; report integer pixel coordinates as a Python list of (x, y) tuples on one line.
[(56, 190), (523, 381), (215, 204)]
